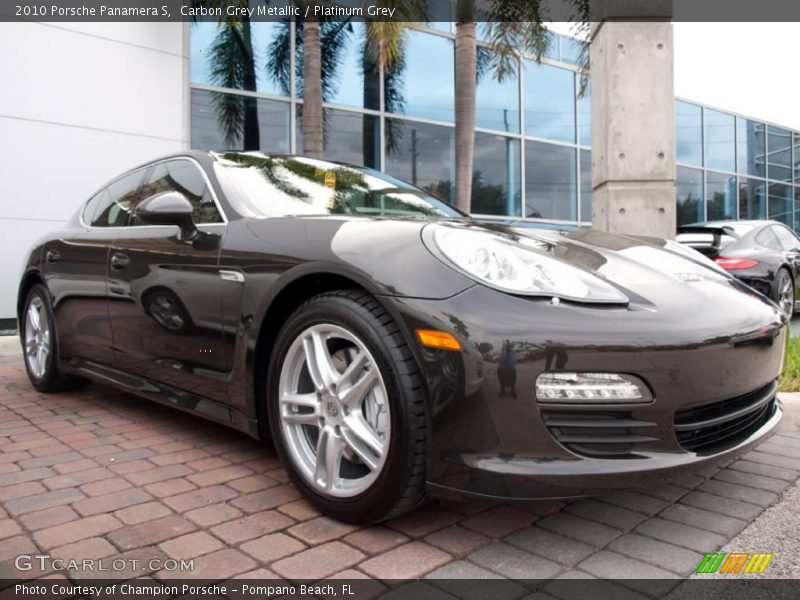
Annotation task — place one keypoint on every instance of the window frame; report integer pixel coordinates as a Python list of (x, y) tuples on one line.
[(148, 168)]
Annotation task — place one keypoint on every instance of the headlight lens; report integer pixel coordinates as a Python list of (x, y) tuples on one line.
[(591, 388), (520, 266)]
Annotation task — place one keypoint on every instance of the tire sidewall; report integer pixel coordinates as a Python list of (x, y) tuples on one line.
[(45, 382), (783, 272), (390, 483)]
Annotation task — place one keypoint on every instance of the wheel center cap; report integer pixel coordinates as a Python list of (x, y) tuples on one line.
[(331, 407)]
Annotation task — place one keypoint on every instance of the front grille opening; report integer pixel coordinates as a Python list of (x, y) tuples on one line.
[(713, 428), (600, 434)]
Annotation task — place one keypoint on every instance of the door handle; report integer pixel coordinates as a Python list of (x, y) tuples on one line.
[(52, 256), (119, 261)]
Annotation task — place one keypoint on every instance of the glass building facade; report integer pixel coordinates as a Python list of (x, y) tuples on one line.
[(533, 134)]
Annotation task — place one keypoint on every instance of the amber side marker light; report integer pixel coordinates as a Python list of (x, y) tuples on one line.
[(440, 340)]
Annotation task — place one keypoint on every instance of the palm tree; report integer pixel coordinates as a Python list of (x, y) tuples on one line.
[(233, 66), (512, 27)]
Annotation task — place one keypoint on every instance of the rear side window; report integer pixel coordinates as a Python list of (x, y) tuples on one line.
[(767, 238), (116, 206), (90, 208), (185, 177), (787, 239)]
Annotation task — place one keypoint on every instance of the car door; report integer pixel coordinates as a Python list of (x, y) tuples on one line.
[(165, 292), (75, 272)]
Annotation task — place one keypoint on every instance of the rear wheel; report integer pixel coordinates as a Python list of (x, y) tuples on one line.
[(346, 408), (40, 345), (783, 291)]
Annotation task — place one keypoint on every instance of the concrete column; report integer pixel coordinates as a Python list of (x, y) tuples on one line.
[(633, 119)]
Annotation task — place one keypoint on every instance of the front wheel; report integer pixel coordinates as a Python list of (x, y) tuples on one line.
[(346, 408), (783, 292), (40, 346)]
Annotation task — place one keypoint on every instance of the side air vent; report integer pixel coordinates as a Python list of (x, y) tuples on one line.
[(600, 434), (712, 428)]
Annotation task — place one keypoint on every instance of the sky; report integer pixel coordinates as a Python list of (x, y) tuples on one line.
[(746, 68)]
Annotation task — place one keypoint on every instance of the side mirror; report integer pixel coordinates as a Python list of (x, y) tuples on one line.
[(168, 208)]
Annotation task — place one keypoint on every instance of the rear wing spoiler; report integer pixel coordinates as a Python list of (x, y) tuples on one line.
[(715, 232)]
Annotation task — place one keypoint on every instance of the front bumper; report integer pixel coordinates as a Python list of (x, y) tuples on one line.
[(489, 436)]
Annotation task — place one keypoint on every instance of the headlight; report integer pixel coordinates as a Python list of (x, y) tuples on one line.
[(520, 266)]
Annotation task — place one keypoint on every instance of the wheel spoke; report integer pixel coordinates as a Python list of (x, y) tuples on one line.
[(329, 458), (41, 356), (31, 347), (33, 316), (320, 363), (353, 370), (363, 432), (360, 449), (301, 409), (354, 396)]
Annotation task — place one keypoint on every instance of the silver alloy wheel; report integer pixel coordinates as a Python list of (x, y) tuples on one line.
[(334, 411), (37, 337), (786, 294)]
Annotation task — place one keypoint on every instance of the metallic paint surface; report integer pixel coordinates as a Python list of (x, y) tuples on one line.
[(692, 343)]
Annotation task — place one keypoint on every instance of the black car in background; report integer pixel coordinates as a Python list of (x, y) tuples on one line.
[(390, 346), (763, 254)]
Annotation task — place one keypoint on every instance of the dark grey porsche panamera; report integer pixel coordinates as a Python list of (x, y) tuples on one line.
[(390, 346)]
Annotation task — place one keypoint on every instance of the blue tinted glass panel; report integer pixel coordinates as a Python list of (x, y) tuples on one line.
[(585, 158), (752, 199), (422, 85), (233, 122), (222, 55), (348, 76), (780, 203), (549, 102), (571, 50), (796, 137), (497, 104), (750, 147), (550, 181), (689, 188), (720, 196), (349, 137), (779, 153), (584, 113), (720, 140), (422, 154), (689, 133), (797, 208), (496, 181), (351, 81)]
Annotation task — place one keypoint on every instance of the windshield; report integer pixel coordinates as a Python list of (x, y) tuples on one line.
[(263, 186)]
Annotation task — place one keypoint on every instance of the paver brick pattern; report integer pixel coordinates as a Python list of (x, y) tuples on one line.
[(98, 473)]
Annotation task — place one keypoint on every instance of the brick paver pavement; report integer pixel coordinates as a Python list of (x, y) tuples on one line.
[(102, 474)]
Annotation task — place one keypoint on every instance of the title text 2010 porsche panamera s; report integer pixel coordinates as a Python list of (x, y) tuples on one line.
[(393, 348)]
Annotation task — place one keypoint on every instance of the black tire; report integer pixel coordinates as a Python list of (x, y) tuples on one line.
[(400, 486), (781, 277), (52, 379)]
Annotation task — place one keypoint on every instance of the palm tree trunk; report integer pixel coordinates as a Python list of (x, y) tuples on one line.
[(466, 89), (312, 89), (251, 134)]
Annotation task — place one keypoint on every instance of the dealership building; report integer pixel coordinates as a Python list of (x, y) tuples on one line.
[(81, 102)]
